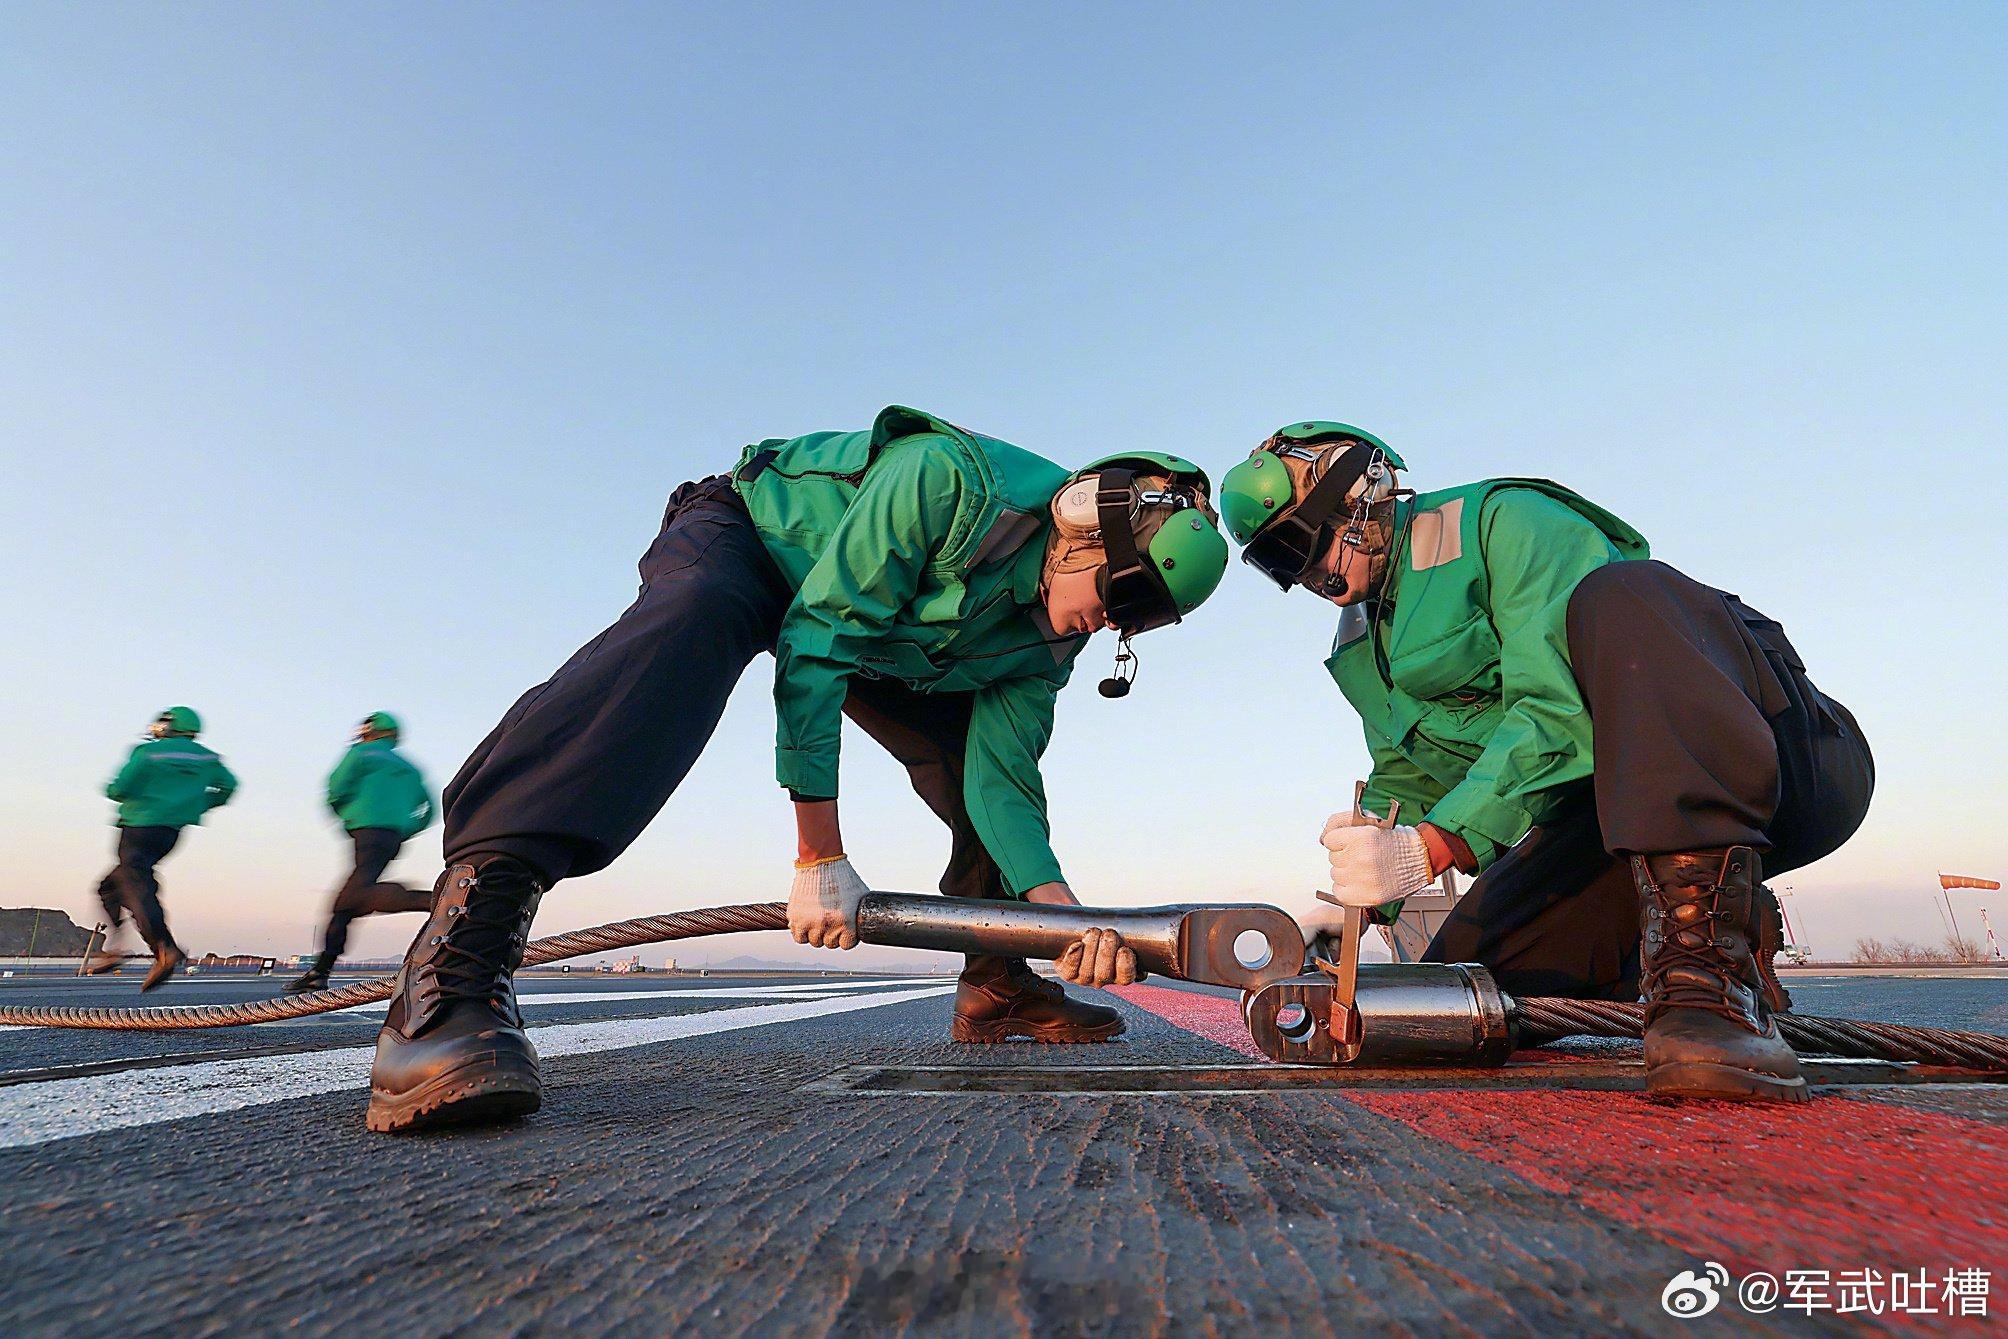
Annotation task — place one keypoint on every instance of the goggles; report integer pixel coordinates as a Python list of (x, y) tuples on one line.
[(1286, 549)]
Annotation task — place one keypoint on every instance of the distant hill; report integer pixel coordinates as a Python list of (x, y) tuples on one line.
[(52, 933)]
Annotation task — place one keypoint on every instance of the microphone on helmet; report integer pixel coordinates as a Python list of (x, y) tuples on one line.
[(1118, 683)]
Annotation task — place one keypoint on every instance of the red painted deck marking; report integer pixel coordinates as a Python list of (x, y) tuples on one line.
[(1838, 1183), (1209, 1016)]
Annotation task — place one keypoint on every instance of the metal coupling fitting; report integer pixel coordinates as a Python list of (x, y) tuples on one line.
[(1424, 1013)]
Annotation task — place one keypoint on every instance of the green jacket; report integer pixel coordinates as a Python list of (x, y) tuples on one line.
[(915, 550), (169, 783), (1461, 675), (374, 786)]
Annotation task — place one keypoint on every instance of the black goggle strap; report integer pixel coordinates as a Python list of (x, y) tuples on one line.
[(1310, 517), (1129, 573)]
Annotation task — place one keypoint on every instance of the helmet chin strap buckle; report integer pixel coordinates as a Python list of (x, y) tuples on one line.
[(1118, 683)]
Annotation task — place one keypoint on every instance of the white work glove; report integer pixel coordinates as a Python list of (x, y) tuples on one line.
[(1372, 866), (1346, 818), (823, 904), (1099, 958)]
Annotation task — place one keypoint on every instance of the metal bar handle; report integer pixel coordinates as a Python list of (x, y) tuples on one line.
[(1244, 946)]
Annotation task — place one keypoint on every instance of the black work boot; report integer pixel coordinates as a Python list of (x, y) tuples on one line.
[(1708, 1026), (998, 999), (452, 1050), (314, 978)]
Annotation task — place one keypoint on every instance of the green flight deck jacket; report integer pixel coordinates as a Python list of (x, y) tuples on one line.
[(915, 550), (169, 783), (375, 786), (1461, 671)]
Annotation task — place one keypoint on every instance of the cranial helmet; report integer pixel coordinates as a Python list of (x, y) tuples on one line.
[(379, 723), (180, 721), (1145, 517), (1285, 504)]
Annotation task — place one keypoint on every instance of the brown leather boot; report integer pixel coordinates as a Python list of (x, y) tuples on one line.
[(1708, 1026), (453, 1050), (167, 960), (1771, 938), (999, 999), (103, 960)]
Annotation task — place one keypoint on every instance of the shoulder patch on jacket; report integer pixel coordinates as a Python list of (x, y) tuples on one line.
[(1007, 533), (1436, 537)]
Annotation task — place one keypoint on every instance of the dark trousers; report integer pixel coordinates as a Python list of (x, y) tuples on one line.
[(133, 886), (364, 893), (584, 761), (1708, 734)]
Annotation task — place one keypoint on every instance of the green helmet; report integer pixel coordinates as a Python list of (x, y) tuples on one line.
[(1190, 553), (1259, 489), (177, 721), (1254, 493), (1178, 566), (1179, 468), (382, 722)]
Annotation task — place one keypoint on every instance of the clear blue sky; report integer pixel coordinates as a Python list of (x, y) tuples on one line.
[(351, 349)]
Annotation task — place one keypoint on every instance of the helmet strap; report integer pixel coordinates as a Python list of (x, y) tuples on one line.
[(1119, 538), (1367, 534)]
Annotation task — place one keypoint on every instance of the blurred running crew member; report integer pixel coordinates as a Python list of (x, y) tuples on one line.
[(168, 782), (382, 802)]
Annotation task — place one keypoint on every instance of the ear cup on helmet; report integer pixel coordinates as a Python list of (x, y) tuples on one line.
[(1076, 513)]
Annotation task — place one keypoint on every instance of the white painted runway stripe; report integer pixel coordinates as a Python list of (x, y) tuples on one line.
[(40, 1113)]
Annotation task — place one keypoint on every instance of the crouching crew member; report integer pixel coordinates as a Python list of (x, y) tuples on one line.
[(168, 782), (931, 583), (381, 801), (1622, 751)]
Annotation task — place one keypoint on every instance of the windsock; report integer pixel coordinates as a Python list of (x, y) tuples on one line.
[(1950, 881)]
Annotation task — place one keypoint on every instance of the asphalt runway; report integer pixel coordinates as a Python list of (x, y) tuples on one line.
[(797, 1154)]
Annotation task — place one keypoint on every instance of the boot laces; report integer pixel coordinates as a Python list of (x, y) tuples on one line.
[(1695, 975), (1021, 975), (475, 952)]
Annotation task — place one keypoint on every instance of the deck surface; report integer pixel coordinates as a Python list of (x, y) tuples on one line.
[(799, 1154)]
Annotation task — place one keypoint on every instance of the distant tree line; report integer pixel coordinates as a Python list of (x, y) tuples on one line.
[(1901, 952)]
